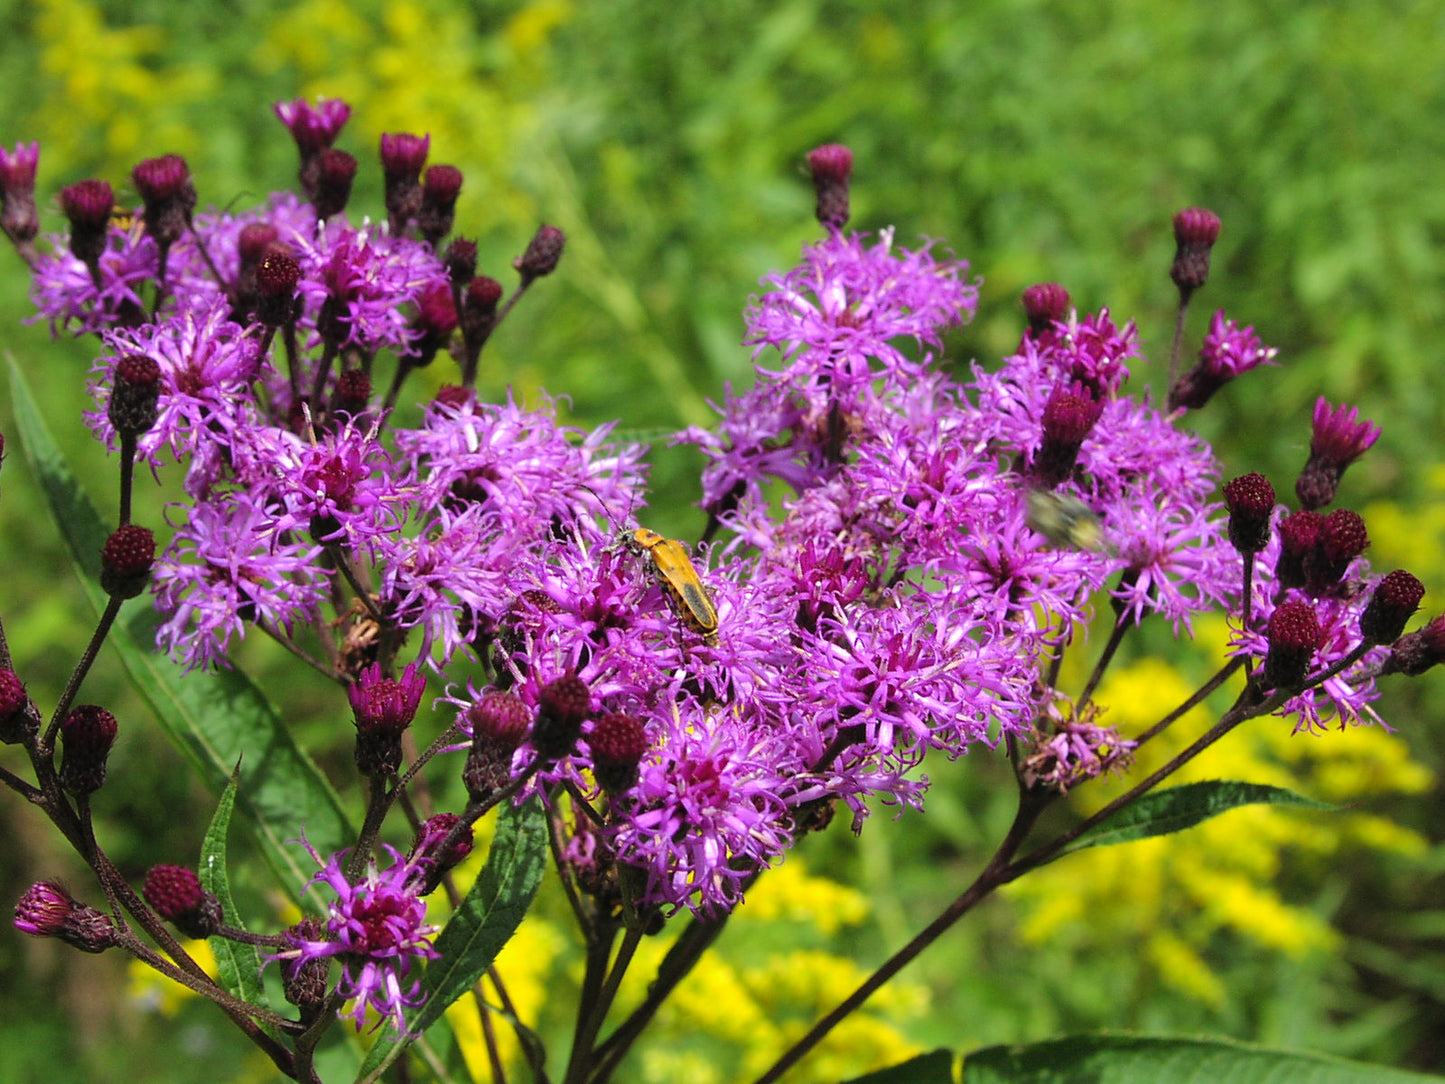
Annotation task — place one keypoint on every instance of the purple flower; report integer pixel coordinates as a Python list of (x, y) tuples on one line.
[(376, 929), (1339, 438), (68, 297), (1227, 352), (225, 569), (208, 369), (314, 129)]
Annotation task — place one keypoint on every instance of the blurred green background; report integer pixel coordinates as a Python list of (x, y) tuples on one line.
[(1042, 141)]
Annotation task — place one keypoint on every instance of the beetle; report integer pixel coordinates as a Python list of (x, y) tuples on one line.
[(675, 571)]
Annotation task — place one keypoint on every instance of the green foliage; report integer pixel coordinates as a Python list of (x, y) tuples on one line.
[(1176, 808), (1125, 1059)]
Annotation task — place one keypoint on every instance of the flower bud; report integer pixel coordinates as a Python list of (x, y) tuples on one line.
[(18, 217), (303, 979), (499, 722), (1294, 634), (166, 188), (426, 854), (1043, 305), (19, 720), (438, 202), (47, 910), (461, 262), (335, 171), (1298, 534), (1195, 231), (134, 395), (87, 205), (543, 253), (1416, 652), (383, 709), (1069, 416), (126, 561), (353, 393), (402, 156), (1396, 598), (1250, 500), (617, 743), (1339, 438), (1342, 539), (832, 167), (435, 319), (562, 707), (175, 893), (86, 736), (276, 277)]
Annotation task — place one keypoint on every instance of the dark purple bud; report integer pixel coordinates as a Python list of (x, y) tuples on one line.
[(543, 253), (86, 735), (352, 394), (1043, 305), (1195, 231), (562, 706), (1069, 416), (134, 395), (383, 709), (87, 206), (169, 195), (126, 560), (47, 910), (276, 277), (436, 319), (1339, 439), (832, 168), (175, 893), (335, 171), (426, 847), (1298, 535), (402, 156), (499, 722), (461, 262), (19, 720), (1342, 538), (1294, 634), (1394, 602), (438, 202), (1250, 500), (303, 978), (617, 743), (18, 217), (1416, 652)]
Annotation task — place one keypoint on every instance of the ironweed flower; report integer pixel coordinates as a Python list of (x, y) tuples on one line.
[(376, 929)]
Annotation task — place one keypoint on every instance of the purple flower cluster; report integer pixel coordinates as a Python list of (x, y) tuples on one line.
[(904, 546)]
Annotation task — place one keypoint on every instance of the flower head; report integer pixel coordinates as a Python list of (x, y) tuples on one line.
[(376, 928)]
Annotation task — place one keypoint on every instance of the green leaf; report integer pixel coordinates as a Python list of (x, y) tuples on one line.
[(482, 924), (935, 1067), (1124, 1059), (238, 964), (216, 719), (1162, 812)]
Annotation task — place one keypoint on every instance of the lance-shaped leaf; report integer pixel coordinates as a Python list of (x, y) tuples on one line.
[(1162, 812), (238, 964)]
